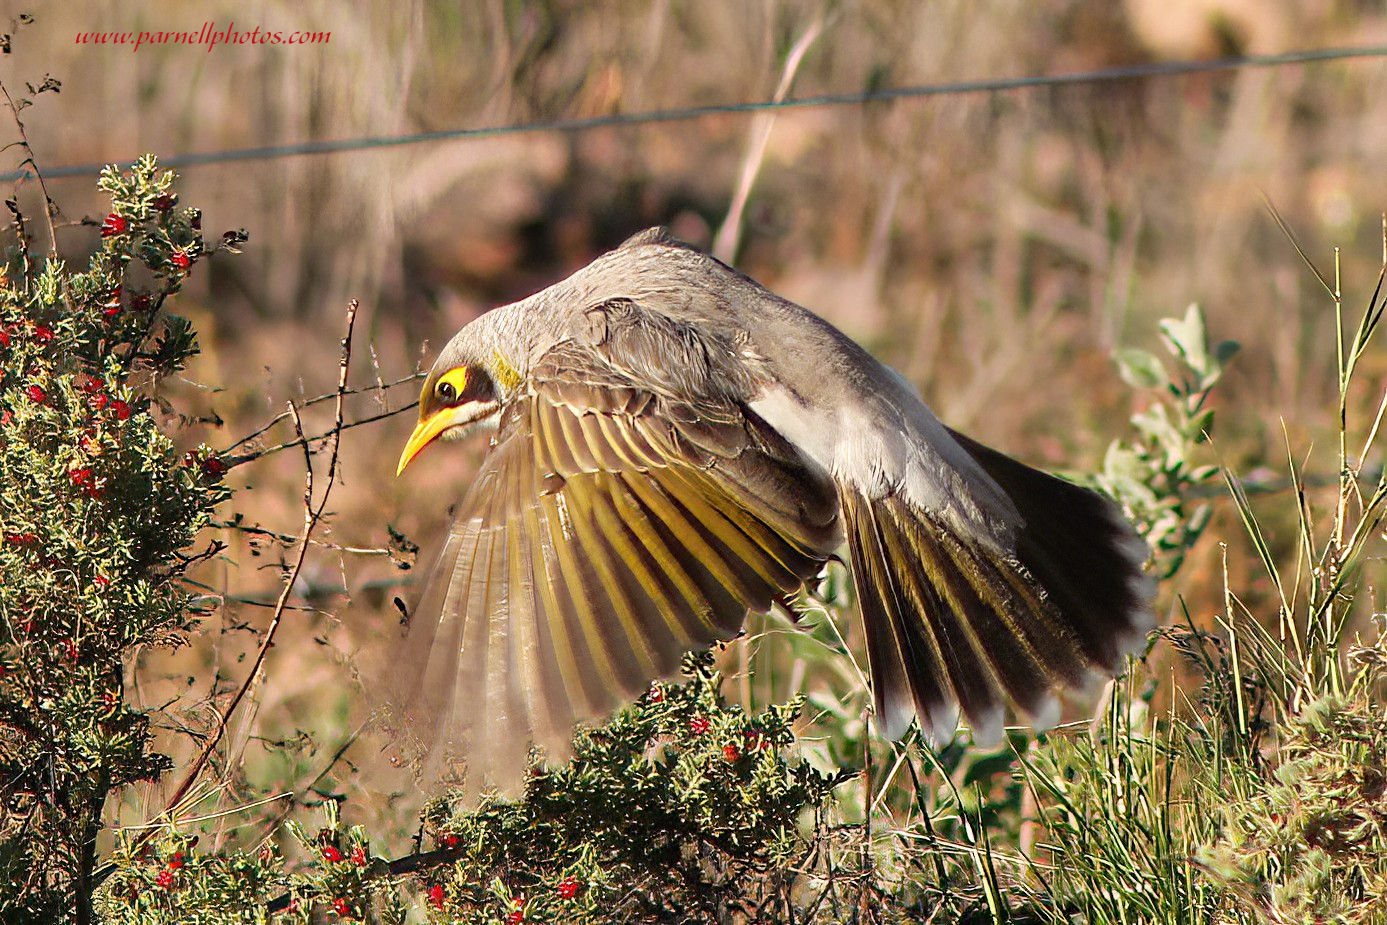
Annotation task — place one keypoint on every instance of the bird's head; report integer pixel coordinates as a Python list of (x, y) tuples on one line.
[(462, 390)]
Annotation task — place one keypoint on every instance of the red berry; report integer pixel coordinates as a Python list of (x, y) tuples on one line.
[(4, 337), (114, 225), (359, 856), (214, 466), (699, 725), (36, 394), (165, 201), (141, 302), (6, 417), (165, 879), (43, 334), (91, 385), (176, 861), (331, 854), (82, 476), (516, 917), (341, 907), (657, 693), (731, 752), (121, 409), (181, 260), (569, 887), (66, 649), (450, 840), (99, 400), (436, 896), (101, 581)]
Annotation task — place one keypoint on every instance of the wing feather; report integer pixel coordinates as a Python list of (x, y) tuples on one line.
[(611, 529), (691, 611)]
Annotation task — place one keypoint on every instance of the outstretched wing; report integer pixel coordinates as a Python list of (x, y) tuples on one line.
[(629, 511)]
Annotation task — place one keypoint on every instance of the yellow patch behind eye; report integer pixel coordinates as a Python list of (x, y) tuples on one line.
[(457, 378), (507, 376)]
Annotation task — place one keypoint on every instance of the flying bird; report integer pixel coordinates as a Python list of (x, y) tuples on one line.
[(675, 446)]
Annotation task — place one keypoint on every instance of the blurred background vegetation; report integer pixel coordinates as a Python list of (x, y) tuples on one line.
[(996, 248)]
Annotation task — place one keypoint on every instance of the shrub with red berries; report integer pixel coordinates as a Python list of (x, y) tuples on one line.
[(681, 808), (98, 524), (169, 880)]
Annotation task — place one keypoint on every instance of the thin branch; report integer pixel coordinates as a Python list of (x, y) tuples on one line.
[(50, 208), (312, 517), (224, 599), (286, 539), (312, 785), (305, 441), (284, 415)]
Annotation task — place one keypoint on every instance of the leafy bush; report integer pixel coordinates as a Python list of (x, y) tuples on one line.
[(681, 808), (98, 520)]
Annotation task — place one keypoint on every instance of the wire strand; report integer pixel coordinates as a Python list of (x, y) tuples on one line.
[(689, 113)]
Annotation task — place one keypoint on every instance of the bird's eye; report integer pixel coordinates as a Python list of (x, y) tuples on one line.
[(446, 391)]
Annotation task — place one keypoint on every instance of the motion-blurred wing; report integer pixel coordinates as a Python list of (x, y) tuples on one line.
[(612, 529)]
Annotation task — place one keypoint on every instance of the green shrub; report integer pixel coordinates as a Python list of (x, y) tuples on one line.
[(681, 808), (98, 520)]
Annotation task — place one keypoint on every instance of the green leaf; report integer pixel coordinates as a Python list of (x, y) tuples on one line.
[(1200, 425), (1188, 339), (1141, 369)]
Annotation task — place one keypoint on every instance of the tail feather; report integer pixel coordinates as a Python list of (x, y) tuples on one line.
[(951, 624), (908, 675), (1082, 551), (953, 615)]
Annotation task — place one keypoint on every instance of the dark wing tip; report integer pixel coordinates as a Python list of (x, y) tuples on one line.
[(960, 623)]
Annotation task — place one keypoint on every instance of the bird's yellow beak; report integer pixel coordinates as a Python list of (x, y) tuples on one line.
[(425, 432)]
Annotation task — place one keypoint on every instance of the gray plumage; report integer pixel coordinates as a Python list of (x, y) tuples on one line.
[(675, 446)]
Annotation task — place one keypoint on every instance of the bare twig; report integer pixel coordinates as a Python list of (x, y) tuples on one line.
[(50, 208), (286, 539), (312, 517), (284, 415), (307, 442), (278, 820)]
